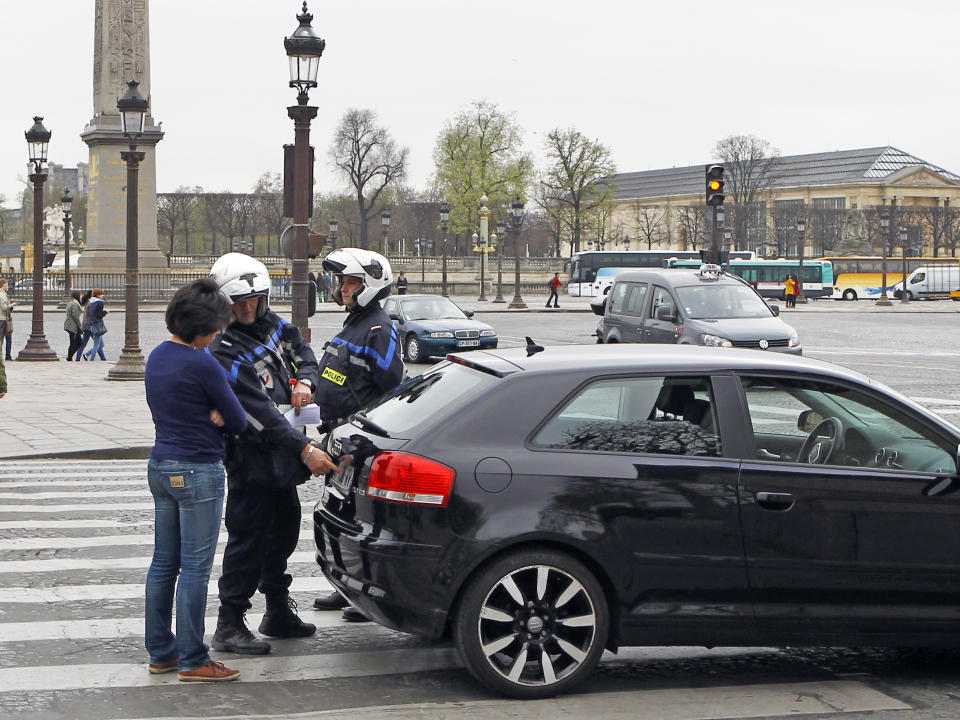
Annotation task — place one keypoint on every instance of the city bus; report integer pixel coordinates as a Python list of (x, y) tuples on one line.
[(769, 276), (583, 266), (860, 276)]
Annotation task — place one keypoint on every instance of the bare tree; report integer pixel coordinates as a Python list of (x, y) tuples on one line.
[(269, 207), (370, 159), (577, 175), (750, 163), (938, 221), (174, 214), (692, 220), (220, 210), (647, 222)]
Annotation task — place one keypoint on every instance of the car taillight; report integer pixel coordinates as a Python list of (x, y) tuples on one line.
[(407, 478)]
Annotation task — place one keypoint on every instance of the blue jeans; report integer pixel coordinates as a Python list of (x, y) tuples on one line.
[(97, 348), (188, 503)]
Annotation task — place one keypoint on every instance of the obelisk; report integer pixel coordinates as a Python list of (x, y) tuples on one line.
[(121, 53)]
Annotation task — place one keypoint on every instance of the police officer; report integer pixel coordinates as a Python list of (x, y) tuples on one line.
[(268, 364), (371, 364)]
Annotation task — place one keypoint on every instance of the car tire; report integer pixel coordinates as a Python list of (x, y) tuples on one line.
[(849, 295), (532, 624), (412, 349)]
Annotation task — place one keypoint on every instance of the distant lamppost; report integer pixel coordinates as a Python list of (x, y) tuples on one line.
[(38, 137), (444, 219), (67, 203), (332, 237), (385, 221), (801, 250), (884, 230), (626, 242), (304, 49), (727, 236), (502, 234), (133, 108), (904, 235), (483, 246), (516, 220)]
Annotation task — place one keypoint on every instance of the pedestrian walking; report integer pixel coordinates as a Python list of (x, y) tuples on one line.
[(72, 323), (790, 291), (363, 360), (3, 379), (96, 312), (192, 407), (401, 284), (554, 287), (268, 364), (6, 317)]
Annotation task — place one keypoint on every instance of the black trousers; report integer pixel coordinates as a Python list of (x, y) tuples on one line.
[(263, 526), (553, 297), (74, 344)]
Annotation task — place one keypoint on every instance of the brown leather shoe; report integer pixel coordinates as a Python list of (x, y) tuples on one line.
[(160, 668), (213, 671)]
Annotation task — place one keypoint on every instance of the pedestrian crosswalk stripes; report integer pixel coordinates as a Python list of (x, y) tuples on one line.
[(123, 563), (68, 495), (49, 543), (77, 507)]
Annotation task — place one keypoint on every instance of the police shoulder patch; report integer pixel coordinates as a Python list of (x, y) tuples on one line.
[(375, 327)]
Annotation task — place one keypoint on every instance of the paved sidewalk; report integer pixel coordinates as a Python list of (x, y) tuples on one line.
[(90, 416)]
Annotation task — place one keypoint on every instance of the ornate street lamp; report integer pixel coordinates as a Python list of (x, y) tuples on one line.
[(444, 219), (66, 202), (484, 213), (385, 221), (304, 49), (516, 220), (332, 237), (502, 234), (904, 236), (626, 242), (38, 138), (133, 107), (801, 251), (884, 229)]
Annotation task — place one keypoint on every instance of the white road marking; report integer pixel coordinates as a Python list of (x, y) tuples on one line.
[(58, 508), (65, 543), (42, 483), (307, 519), (126, 563), (5, 475), (67, 495)]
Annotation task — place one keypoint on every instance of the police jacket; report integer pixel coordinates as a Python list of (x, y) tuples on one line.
[(359, 364), (261, 359)]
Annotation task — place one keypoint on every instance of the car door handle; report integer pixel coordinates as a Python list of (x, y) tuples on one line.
[(775, 501)]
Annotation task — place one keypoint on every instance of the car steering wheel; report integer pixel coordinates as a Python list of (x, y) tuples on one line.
[(822, 442)]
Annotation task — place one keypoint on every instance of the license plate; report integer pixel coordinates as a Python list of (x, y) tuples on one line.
[(344, 480), (468, 343)]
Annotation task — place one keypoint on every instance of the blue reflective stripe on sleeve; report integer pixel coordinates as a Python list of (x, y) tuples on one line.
[(234, 372), (383, 361)]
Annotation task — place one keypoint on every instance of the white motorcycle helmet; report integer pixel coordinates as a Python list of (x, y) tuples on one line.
[(240, 277), (372, 268)]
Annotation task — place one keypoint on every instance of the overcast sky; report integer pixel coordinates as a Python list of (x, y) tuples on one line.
[(657, 82)]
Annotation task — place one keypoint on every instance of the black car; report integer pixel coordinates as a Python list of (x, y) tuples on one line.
[(541, 505)]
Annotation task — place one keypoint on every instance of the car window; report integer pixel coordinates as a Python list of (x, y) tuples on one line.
[(661, 296), (722, 301), (634, 303), (802, 420), (431, 308), (663, 415), (618, 297), (390, 307)]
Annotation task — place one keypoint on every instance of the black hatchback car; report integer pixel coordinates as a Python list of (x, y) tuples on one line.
[(539, 506)]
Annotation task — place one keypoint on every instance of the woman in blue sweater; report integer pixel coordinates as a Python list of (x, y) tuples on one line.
[(193, 407)]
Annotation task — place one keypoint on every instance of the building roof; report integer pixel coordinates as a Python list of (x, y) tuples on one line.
[(871, 166)]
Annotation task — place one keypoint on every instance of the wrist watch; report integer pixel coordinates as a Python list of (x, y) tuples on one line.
[(307, 382)]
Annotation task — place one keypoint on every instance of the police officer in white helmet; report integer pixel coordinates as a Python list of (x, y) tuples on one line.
[(363, 361), (267, 364)]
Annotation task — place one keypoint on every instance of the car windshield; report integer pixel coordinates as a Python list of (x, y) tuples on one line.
[(437, 308), (718, 302)]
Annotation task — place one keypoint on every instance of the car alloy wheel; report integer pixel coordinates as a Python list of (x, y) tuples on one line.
[(413, 349), (533, 624)]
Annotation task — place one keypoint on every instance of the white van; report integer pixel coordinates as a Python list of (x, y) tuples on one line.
[(932, 282)]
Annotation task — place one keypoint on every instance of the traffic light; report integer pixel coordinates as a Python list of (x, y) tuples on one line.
[(48, 258), (714, 184)]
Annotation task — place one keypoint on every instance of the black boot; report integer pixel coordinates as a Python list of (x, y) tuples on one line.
[(330, 601), (281, 619), (232, 635)]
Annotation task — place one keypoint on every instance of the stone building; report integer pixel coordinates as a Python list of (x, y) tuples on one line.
[(838, 193)]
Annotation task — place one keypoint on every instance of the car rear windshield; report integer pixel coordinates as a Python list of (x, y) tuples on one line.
[(718, 302), (426, 396)]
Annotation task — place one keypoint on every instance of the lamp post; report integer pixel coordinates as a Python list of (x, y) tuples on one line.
[(332, 237), (67, 203), (133, 108), (304, 49), (626, 242), (38, 137), (516, 218), (484, 213), (502, 233), (385, 221), (903, 244), (884, 229), (444, 219), (801, 249)]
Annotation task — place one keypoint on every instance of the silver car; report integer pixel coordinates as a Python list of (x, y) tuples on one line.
[(691, 307)]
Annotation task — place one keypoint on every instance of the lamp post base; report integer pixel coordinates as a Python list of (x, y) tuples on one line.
[(130, 366), (883, 302), (499, 299), (37, 349), (517, 304)]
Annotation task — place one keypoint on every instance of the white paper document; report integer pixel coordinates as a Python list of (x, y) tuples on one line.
[(309, 415)]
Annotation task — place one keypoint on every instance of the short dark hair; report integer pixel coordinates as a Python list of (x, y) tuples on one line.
[(75, 294), (197, 309)]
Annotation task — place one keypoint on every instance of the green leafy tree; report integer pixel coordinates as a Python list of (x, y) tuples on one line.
[(478, 152)]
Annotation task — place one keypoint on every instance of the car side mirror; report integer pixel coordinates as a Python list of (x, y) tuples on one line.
[(468, 313), (599, 308), (666, 313), (775, 309), (808, 420), (394, 316)]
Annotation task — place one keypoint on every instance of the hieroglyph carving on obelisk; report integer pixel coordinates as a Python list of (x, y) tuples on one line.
[(121, 53)]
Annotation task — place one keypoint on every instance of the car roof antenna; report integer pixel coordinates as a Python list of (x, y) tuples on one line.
[(532, 347)]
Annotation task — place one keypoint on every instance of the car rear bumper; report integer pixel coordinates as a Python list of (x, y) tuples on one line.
[(392, 582)]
